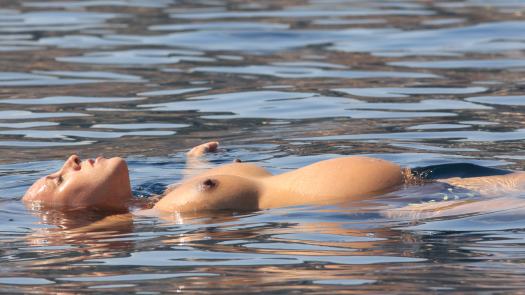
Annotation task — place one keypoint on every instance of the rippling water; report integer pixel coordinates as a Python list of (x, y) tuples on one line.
[(282, 84)]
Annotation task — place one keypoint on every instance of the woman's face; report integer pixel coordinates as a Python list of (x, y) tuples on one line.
[(102, 184)]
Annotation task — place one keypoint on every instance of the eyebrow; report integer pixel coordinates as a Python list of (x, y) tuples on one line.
[(53, 177)]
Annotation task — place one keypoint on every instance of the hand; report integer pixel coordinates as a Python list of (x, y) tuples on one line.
[(203, 149)]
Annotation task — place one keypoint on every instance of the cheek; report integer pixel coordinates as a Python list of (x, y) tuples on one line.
[(82, 186), (38, 192)]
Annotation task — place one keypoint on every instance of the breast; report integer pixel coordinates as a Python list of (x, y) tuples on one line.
[(246, 170), (213, 192)]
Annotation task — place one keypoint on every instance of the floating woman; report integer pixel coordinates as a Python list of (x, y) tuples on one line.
[(104, 184)]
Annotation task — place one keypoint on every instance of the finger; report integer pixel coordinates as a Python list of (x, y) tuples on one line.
[(212, 146), (203, 149), (197, 151)]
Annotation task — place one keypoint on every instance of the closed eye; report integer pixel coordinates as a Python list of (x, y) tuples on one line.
[(56, 179)]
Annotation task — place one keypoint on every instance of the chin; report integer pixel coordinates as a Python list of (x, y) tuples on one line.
[(114, 172), (118, 163)]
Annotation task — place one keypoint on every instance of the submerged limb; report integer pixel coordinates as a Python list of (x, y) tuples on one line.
[(203, 149), (491, 185), (195, 165), (474, 195), (455, 208)]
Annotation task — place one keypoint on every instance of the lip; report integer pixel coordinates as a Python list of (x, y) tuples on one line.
[(90, 161)]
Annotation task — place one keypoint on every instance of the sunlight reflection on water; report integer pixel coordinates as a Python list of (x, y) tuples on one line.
[(281, 84)]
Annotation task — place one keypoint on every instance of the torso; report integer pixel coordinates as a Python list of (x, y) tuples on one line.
[(241, 185)]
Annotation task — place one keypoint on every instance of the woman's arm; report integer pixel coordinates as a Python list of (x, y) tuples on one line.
[(195, 165), (491, 185), (203, 149)]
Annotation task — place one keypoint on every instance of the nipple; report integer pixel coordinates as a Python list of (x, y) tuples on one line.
[(205, 185), (237, 161), (209, 182)]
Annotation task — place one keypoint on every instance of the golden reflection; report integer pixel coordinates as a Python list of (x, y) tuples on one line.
[(317, 256), (88, 235), (73, 238)]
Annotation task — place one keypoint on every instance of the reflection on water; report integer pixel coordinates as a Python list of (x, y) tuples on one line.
[(281, 84), (54, 21), (459, 64), (304, 72), (68, 99), (132, 57), (484, 37)]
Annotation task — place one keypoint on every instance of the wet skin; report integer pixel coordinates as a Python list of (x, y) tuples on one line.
[(248, 186), (104, 185), (101, 185)]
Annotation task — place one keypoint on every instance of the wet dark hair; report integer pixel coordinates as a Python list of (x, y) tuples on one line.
[(148, 188), (463, 170)]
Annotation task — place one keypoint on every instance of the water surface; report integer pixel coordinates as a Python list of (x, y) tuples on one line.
[(282, 84)]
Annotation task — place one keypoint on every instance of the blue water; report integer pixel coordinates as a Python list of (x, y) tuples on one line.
[(281, 84)]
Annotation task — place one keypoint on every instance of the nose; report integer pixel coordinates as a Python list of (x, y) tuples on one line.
[(73, 163)]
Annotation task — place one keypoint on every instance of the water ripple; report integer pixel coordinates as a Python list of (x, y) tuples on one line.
[(513, 100), (466, 136), (460, 64), (306, 72), (468, 38), (396, 92), (299, 12), (67, 134), (281, 84), (204, 258), (20, 114), (221, 26), (55, 20), (280, 105), (68, 100), (236, 40), (54, 78), (134, 57), (79, 4)]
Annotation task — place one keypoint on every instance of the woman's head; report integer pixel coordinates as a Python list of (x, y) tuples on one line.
[(102, 184)]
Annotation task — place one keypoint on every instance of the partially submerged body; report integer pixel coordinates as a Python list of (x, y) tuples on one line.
[(104, 185), (248, 186)]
